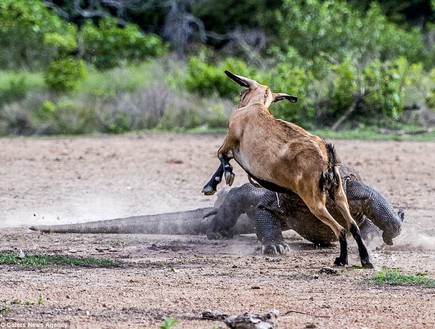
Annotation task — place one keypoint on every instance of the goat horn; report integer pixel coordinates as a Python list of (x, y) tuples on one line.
[(244, 82), (280, 96)]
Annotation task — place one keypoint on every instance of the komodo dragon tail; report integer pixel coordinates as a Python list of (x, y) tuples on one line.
[(191, 222)]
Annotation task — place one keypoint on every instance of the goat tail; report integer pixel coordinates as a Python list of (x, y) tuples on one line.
[(330, 179)]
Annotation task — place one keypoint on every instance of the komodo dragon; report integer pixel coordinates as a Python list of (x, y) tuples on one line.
[(268, 211), (274, 212)]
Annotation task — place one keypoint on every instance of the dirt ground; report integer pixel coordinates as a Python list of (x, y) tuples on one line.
[(66, 180)]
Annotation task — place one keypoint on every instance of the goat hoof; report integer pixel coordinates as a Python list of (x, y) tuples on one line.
[(366, 264), (208, 190), (229, 178), (340, 262)]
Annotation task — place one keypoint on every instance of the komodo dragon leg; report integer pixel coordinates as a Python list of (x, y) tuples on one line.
[(238, 201)]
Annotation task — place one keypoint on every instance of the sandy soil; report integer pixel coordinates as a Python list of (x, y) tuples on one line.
[(65, 180)]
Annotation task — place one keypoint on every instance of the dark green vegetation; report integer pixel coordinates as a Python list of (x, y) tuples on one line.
[(168, 323), (42, 260), (5, 304), (394, 277), (98, 66)]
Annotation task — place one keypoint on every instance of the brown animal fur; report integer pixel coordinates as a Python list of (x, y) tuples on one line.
[(283, 156)]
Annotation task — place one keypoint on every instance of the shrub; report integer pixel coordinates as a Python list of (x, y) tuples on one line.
[(295, 81), (336, 30), (15, 89), (15, 120), (62, 116), (430, 97), (208, 79), (64, 74), (23, 28), (108, 45), (383, 83)]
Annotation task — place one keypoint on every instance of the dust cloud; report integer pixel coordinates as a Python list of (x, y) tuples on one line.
[(93, 208), (414, 240)]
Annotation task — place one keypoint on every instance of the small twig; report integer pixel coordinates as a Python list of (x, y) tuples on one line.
[(306, 313), (298, 312)]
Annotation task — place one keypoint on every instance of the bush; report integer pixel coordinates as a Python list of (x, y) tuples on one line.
[(108, 45), (430, 97), (15, 89), (23, 27), (68, 118), (208, 79), (335, 30), (64, 74), (15, 120)]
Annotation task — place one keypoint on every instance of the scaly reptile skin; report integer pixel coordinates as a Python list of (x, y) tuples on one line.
[(276, 212)]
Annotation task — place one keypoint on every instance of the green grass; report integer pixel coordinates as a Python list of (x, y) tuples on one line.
[(372, 133), (366, 134), (101, 83), (42, 260), (122, 79), (394, 277), (168, 323), (32, 80), (5, 305), (97, 105)]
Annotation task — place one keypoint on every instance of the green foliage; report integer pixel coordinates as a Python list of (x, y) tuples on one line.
[(41, 299), (217, 118), (347, 83), (294, 81), (5, 304), (46, 110), (15, 90), (130, 78), (334, 29), (375, 87), (12, 80), (64, 117), (383, 83), (118, 124), (64, 74), (207, 79), (395, 277), (108, 45), (133, 98), (63, 43), (365, 132), (27, 30), (225, 15), (430, 97), (168, 323)]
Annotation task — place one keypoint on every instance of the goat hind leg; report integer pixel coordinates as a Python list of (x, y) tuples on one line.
[(343, 207), (228, 170), (319, 210)]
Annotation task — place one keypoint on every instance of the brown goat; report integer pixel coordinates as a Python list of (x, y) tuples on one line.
[(282, 156)]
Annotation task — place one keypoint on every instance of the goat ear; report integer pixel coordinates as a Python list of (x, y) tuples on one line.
[(280, 96), (244, 82)]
